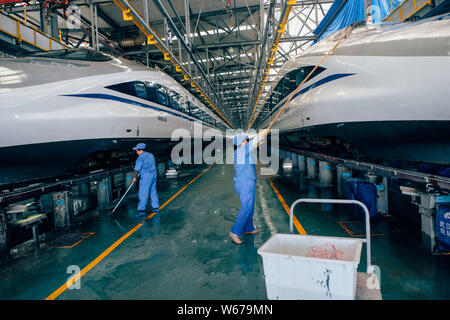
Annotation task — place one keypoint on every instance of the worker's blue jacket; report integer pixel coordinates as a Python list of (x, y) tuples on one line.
[(145, 163), (244, 163)]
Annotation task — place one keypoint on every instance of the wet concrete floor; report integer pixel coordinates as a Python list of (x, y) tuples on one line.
[(184, 251)]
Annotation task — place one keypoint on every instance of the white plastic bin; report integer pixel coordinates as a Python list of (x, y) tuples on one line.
[(301, 267)]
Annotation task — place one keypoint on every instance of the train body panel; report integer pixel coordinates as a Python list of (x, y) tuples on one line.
[(390, 107), (47, 126)]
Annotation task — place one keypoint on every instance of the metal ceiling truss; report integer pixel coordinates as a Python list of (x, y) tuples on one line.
[(230, 60), (287, 37), (203, 86)]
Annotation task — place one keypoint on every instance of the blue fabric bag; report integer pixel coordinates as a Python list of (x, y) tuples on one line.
[(358, 189)]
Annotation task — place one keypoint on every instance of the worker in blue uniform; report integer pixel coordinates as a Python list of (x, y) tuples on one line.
[(244, 183), (145, 168)]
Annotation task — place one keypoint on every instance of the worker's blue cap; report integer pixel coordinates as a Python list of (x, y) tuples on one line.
[(140, 146), (239, 138)]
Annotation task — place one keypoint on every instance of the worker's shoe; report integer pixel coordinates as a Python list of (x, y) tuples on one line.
[(234, 237), (252, 232), (140, 213), (155, 210)]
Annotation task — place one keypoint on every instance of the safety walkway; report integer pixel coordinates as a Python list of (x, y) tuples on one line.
[(16, 32), (407, 9), (184, 251)]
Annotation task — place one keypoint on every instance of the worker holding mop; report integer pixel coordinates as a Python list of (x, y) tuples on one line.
[(145, 168), (244, 183)]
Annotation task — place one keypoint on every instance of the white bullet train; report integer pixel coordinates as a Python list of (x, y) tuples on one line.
[(384, 94), (60, 107)]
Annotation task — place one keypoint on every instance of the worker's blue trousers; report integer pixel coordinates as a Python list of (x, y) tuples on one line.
[(246, 191), (147, 187)]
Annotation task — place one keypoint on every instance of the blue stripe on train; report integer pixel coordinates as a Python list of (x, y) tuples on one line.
[(316, 84), (129, 101)]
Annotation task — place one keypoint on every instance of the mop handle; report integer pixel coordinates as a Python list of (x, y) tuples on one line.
[(123, 197)]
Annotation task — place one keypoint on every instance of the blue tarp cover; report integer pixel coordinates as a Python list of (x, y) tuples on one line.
[(381, 8), (349, 12), (435, 169)]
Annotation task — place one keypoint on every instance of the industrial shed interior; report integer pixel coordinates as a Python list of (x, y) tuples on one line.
[(121, 125)]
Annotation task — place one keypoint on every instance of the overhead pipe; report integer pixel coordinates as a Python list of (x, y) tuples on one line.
[(133, 42)]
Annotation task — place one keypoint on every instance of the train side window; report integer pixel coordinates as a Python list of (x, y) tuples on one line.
[(184, 104), (188, 106), (195, 111), (174, 100), (141, 90), (162, 96), (156, 93), (202, 115), (152, 94), (173, 103)]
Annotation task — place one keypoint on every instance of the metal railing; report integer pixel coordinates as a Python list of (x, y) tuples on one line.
[(22, 32), (339, 201), (39, 189), (406, 9)]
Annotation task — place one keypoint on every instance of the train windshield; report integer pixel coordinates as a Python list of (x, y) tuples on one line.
[(291, 81), (285, 86)]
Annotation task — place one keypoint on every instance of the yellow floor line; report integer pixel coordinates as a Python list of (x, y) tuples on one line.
[(297, 224), (343, 226), (87, 235), (86, 269)]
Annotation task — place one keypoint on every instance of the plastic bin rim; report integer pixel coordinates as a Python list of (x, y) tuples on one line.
[(311, 236), (354, 262)]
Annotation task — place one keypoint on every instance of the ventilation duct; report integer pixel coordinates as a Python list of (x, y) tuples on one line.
[(133, 42)]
